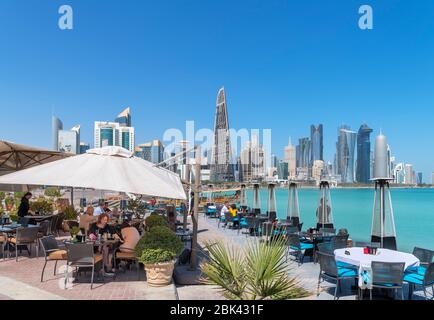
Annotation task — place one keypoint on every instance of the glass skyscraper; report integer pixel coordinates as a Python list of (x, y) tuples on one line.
[(56, 126), (124, 118), (363, 170), (151, 151), (316, 138), (345, 154)]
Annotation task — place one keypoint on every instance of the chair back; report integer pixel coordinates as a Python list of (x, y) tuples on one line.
[(340, 242), (327, 230), (272, 216), (326, 247), (27, 235), (327, 264), (43, 227), (59, 222), (293, 240), (387, 273), (267, 229), (424, 255), (364, 244), (291, 229), (428, 279), (252, 222), (48, 243), (80, 252), (53, 224)]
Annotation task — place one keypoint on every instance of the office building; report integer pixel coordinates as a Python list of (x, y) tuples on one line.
[(345, 154), (363, 169), (290, 159), (56, 126), (152, 151)]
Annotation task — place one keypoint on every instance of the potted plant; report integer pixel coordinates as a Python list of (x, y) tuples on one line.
[(157, 250), (74, 231), (155, 221)]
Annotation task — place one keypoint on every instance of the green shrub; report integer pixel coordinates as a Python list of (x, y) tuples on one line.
[(70, 213), (42, 205), (155, 221), (160, 244), (52, 192)]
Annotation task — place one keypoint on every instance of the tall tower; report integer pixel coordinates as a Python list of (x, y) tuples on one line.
[(345, 149), (363, 170), (56, 126), (316, 138), (124, 118), (221, 163), (290, 158)]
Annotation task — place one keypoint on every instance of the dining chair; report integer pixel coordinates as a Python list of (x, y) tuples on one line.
[(81, 255), (52, 252), (423, 277), (329, 270), (25, 237), (425, 256), (387, 275), (298, 248)]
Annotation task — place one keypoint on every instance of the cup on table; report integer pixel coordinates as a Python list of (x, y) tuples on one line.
[(366, 250)]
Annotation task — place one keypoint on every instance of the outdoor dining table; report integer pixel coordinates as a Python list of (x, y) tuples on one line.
[(9, 230), (363, 261), (39, 217)]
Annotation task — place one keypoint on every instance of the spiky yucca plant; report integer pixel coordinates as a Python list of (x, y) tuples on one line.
[(258, 272)]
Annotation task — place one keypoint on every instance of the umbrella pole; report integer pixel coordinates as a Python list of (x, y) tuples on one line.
[(195, 215), (72, 196)]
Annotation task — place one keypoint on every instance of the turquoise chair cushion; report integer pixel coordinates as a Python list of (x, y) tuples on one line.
[(303, 246), (341, 264), (413, 278), (419, 270), (346, 272)]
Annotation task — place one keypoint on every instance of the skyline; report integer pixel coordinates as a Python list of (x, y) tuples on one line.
[(285, 73)]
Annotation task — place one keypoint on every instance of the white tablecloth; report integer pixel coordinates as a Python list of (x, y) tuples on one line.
[(363, 261)]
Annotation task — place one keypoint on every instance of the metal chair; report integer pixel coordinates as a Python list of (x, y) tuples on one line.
[(329, 270), (25, 237), (59, 223), (425, 256), (127, 256), (52, 252), (387, 275), (252, 225), (423, 277), (299, 248), (81, 255), (291, 229), (53, 224), (367, 244), (340, 242)]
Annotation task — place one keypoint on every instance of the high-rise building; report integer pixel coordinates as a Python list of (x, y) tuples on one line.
[(152, 151), (69, 140), (363, 170), (316, 138), (303, 153), (84, 147), (345, 150), (318, 169), (419, 178), (290, 159), (252, 161), (409, 174), (56, 126), (111, 134), (222, 168), (274, 161), (282, 170), (124, 118)]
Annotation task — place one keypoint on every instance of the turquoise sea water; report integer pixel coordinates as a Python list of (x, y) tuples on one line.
[(352, 209)]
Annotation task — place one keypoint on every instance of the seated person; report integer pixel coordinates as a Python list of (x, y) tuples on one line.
[(106, 208), (87, 219), (101, 225), (130, 237)]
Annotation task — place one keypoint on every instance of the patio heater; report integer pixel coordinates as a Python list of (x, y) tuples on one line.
[(243, 198), (256, 207), (271, 203), (209, 194), (293, 210), (383, 224), (324, 213)]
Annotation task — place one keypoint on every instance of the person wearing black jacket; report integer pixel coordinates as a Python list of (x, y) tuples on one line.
[(24, 209)]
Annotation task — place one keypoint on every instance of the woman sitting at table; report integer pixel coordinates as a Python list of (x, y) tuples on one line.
[(87, 219), (101, 227)]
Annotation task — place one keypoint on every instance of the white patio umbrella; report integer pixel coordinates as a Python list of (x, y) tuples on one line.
[(15, 157), (108, 168)]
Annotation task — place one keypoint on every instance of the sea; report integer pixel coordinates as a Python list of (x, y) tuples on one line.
[(352, 209)]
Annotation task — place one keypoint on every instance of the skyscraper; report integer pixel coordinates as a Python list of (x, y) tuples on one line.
[(290, 159), (84, 147), (56, 126), (111, 134), (252, 161), (221, 165), (152, 151), (363, 170), (345, 149), (303, 153), (124, 118), (419, 178), (316, 138)]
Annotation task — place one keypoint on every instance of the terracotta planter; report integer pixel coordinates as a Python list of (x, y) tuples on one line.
[(159, 274)]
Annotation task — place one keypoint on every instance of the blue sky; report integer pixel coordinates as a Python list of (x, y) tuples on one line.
[(284, 64)]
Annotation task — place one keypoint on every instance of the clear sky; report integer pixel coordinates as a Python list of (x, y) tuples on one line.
[(285, 65)]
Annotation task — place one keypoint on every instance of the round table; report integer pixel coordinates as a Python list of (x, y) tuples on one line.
[(363, 261)]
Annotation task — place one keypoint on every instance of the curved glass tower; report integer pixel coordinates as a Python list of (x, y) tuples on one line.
[(363, 170)]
